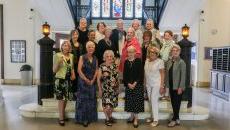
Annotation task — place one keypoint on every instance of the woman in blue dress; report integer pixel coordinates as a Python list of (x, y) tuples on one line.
[(86, 103)]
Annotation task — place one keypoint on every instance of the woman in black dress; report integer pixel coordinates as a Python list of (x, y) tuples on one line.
[(134, 91), (76, 51), (83, 34), (105, 44)]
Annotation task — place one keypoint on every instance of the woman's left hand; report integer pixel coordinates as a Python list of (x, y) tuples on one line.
[(91, 82), (179, 91)]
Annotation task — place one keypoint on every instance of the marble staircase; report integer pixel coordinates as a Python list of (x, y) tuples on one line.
[(49, 110)]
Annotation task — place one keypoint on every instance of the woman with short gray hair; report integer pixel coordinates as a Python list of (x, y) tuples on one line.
[(108, 84), (175, 81)]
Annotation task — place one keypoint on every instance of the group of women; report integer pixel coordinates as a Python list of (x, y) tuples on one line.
[(98, 60)]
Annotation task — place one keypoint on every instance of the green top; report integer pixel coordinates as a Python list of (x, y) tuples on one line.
[(61, 73), (179, 73)]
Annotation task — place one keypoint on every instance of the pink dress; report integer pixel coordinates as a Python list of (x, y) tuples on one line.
[(134, 42)]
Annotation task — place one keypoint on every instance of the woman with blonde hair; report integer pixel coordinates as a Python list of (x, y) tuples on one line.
[(154, 82), (64, 74), (108, 84)]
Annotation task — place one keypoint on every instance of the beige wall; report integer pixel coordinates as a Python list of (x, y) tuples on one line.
[(214, 32), (20, 24)]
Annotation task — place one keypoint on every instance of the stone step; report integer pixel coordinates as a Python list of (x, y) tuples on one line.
[(34, 110), (52, 103)]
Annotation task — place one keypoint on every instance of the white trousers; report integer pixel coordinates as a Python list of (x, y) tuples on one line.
[(153, 95)]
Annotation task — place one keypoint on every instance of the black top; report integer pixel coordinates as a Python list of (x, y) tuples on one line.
[(132, 71), (76, 51), (116, 34), (171, 77), (102, 47), (82, 39)]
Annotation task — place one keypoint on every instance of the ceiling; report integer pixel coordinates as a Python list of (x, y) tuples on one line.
[(55, 12), (179, 12)]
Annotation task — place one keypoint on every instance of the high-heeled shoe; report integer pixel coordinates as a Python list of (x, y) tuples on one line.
[(108, 123), (61, 122)]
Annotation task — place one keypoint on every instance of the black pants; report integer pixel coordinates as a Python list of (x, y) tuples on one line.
[(176, 102)]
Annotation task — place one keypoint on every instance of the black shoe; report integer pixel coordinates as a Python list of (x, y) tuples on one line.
[(108, 123), (130, 120), (61, 122), (112, 120), (85, 123)]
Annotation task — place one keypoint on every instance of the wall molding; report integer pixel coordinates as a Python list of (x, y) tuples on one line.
[(17, 81), (201, 84)]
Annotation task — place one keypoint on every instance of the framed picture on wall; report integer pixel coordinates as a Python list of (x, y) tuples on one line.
[(18, 51), (207, 53)]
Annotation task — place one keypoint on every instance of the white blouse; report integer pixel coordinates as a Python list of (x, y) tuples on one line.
[(152, 72)]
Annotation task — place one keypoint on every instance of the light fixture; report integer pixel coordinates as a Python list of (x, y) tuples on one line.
[(185, 31), (46, 29)]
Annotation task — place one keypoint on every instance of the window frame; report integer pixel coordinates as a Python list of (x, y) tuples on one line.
[(123, 11)]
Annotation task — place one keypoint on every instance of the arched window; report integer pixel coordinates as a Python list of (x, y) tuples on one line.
[(126, 9)]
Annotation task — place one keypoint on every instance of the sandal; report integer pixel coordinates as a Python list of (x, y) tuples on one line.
[(172, 124), (61, 122), (108, 123), (135, 125)]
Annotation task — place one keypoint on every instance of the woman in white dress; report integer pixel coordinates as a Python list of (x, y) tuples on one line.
[(154, 81)]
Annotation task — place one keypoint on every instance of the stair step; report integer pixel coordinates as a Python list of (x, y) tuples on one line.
[(34, 110), (52, 103)]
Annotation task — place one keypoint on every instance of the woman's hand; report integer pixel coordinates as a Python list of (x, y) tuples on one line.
[(162, 90), (60, 62), (179, 91), (91, 82), (130, 86), (87, 81)]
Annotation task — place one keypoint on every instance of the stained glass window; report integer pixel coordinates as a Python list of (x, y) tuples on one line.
[(117, 8), (138, 8), (96, 8), (105, 8), (129, 8)]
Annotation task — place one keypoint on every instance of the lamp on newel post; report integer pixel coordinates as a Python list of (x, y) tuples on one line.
[(45, 88), (186, 52)]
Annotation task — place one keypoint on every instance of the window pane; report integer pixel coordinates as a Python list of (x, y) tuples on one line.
[(128, 8), (138, 8), (105, 8), (96, 8), (117, 8)]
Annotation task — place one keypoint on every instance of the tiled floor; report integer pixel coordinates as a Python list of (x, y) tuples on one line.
[(15, 96)]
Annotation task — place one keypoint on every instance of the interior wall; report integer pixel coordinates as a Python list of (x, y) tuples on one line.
[(214, 32), (19, 24)]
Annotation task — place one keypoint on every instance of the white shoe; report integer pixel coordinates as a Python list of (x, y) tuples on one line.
[(149, 120), (154, 124), (172, 124), (178, 122)]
